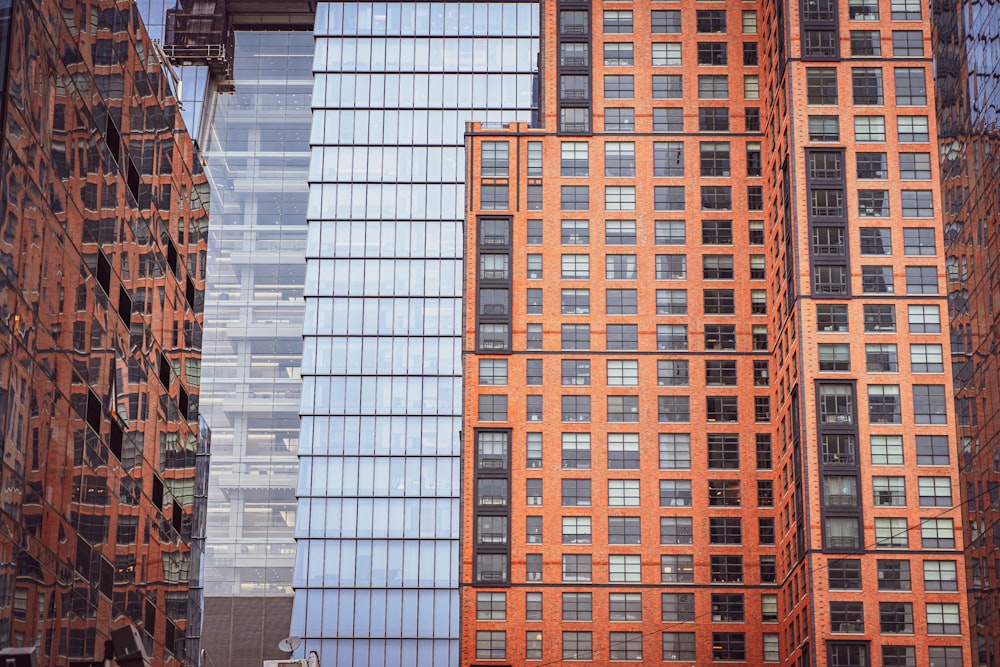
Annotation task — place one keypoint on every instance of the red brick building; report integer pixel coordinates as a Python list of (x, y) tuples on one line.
[(708, 411)]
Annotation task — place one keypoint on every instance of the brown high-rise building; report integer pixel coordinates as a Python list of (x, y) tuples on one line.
[(103, 229), (709, 412)]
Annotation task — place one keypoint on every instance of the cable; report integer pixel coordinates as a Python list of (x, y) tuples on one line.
[(821, 567)]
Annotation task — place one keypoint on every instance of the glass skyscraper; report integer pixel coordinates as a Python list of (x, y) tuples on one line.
[(378, 530)]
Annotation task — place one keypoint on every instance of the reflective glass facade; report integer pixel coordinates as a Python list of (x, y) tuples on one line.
[(378, 523), (968, 95), (103, 232), (256, 153)]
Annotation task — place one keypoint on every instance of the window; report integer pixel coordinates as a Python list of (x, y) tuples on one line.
[(847, 617), (727, 608), (831, 318), (819, 44), (575, 232), (666, 22), (534, 266), (912, 129), (836, 404), (534, 228), (894, 575), (533, 301), (726, 569), (577, 645), (720, 373), (671, 302), (668, 87), (723, 451), (929, 404), (668, 120), (619, 21), (880, 318), (674, 454), (844, 574), (576, 449), (919, 241), (834, 358), (533, 337), (723, 336), (940, 575), (840, 491), (495, 161), (493, 371), (533, 572), (713, 87), (826, 203), (934, 491), (717, 232), (574, 87), (668, 197), (623, 493), (872, 166), (881, 358), (751, 119), (932, 450), (494, 197), (619, 86), (749, 22), (723, 493), (865, 43), (891, 533), (625, 607), (620, 267), (907, 43), (926, 359), (533, 645), (533, 601), (574, 158), (575, 336), (533, 492), (729, 646), (575, 301), (824, 128), (713, 53), (619, 198), (575, 267), (873, 203), (623, 409), (622, 337), (896, 617), (492, 407), (577, 606), (573, 54), (576, 493), (717, 267), (763, 451), (677, 608), (915, 166), (769, 607), (668, 158), (943, 619), (841, 533), (671, 337), (574, 120), (576, 408), (491, 645), (576, 568), (666, 54), (619, 232), (676, 530), (887, 450), (533, 372), (675, 492), (838, 449), (924, 319), (869, 128), (889, 491), (905, 10), (721, 409), (618, 54), (619, 120), (576, 530), (884, 404), (680, 646), (624, 530), (623, 451), (624, 568), (862, 10), (575, 198), (945, 656), (710, 21), (715, 158), (622, 373), (867, 85), (758, 338), (670, 232), (821, 85), (574, 22), (917, 203), (533, 450)]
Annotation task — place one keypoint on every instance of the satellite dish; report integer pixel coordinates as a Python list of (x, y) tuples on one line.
[(289, 644)]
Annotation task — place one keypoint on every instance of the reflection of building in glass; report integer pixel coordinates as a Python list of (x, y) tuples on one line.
[(378, 524), (103, 231), (967, 62), (708, 414)]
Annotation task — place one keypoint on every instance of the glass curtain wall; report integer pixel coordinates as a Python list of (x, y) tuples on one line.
[(378, 522)]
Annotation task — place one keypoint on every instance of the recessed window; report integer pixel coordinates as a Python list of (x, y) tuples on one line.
[(666, 22), (667, 87), (666, 54)]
